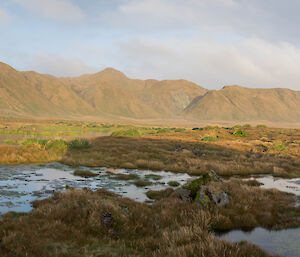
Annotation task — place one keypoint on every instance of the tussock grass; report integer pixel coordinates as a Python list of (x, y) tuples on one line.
[(132, 132), (142, 183), (79, 143), (72, 224), (158, 195), (173, 183), (210, 139), (85, 173)]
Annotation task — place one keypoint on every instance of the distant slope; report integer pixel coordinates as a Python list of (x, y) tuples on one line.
[(37, 95), (235, 103), (110, 93)]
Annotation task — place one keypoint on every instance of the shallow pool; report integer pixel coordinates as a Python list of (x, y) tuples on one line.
[(20, 185), (284, 242)]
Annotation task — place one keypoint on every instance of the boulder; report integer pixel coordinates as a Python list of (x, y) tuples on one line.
[(184, 195), (221, 199)]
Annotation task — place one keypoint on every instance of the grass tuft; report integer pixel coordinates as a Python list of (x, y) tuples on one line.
[(79, 144)]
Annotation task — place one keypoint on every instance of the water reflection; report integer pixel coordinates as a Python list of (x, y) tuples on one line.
[(283, 242), (19, 185)]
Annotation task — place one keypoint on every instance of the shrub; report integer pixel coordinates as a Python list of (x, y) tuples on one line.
[(247, 126), (173, 183), (59, 145), (211, 127), (164, 130), (11, 142), (239, 133), (279, 146), (179, 130), (79, 144), (131, 132), (210, 139), (153, 176), (34, 141), (261, 126)]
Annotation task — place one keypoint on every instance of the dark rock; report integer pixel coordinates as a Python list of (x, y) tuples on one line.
[(185, 195), (106, 219)]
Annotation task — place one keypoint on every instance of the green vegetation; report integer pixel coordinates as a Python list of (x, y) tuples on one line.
[(11, 142), (79, 144), (247, 126), (153, 177), (131, 132), (173, 183), (278, 146), (51, 144), (210, 139), (195, 185), (261, 126), (240, 133), (180, 130)]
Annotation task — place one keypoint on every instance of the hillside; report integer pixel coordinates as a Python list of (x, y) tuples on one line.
[(110, 93), (33, 94), (235, 103)]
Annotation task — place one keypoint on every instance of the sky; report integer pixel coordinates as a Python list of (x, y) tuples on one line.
[(253, 43)]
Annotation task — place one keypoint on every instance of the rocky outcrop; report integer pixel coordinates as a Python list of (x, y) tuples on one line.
[(199, 192)]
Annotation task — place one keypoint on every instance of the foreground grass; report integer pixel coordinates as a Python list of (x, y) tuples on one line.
[(85, 223)]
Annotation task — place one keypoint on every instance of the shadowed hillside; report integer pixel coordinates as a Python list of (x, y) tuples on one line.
[(110, 93)]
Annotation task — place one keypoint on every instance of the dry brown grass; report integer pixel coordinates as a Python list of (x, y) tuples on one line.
[(70, 224), (258, 153), (19, 155), (182, 154), (251, 206)]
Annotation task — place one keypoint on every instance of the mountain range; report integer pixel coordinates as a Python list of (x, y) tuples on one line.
[(110, 93)]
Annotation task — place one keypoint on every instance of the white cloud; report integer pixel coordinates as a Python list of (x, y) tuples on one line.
[(174, 12), (252, 62), (59, 65), (59, 10)]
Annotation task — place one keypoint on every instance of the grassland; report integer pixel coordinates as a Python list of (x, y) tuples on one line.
[(86, 223), (238, 150)]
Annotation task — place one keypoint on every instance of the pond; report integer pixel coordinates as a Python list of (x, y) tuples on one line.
[(20, 185), (284, 242), (284, 185)]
